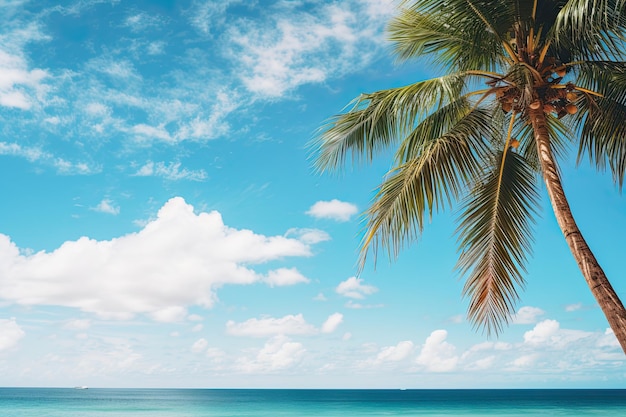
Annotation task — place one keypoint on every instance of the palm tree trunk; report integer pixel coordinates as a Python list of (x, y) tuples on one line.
[(594, 275)]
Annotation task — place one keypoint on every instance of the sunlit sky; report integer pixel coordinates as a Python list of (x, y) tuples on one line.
[(162, 224)]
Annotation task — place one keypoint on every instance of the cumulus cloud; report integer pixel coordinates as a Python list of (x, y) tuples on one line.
[(278, 354), (269, 326), (396, 353), (10, 333), (542, 332), (284, 276), (549, 333), (177, 260), (528, 315), (333, 209), (331, 324), (353, 287), (436, 354)]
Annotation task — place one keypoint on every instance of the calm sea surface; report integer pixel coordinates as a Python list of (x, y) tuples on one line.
[(48, 402)]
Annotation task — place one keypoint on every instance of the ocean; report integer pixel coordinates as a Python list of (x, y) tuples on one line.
[(57, 402)]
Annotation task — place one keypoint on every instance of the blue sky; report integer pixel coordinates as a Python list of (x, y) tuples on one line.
[(163, 226)]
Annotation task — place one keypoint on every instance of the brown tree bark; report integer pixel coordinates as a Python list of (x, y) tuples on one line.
[(595, 277)]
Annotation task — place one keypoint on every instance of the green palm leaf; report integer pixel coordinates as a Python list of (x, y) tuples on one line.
[(603, 119), (495, 237), (378, 120), (442, 167)]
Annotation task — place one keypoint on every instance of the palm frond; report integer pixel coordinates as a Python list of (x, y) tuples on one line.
[(441, 169), (591, 29), (602, 120), (381, 119), (495, 237), (443, 120), (469, 34)]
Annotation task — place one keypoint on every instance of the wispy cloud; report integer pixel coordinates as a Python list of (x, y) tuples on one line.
[(171, 171), (300, 46), (37, 155)]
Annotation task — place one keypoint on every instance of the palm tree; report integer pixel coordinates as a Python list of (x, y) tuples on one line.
[(523, 80)]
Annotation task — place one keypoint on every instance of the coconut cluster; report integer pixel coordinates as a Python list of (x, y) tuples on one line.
[(558, 101)]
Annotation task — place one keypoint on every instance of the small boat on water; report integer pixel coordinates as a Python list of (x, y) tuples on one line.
[(81, 387)]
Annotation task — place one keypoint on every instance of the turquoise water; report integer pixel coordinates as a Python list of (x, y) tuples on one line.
[(48, 402)]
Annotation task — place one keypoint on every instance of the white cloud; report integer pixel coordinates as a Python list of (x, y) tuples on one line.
[(199, 345), (170, 314), (543, 332), (437, 355), (573, 307), (107, 206), (77, 324), (310, 236), (208, 14), (293, 48), (354, 288), (320, 297), (331, 324), (10, 333), (177, 260), (18, 85), (197, 328), (395, 353), (528, 315), (141, 21), (152, 132), (170, 172), (359, 306), (37, 155), (608, 339), (284, 276), (278, 354), (269, 326), (525, 361), (333, 209)]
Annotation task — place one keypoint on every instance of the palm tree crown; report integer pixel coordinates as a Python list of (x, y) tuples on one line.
[(522, 80)]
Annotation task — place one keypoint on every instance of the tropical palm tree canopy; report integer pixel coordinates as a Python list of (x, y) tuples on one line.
[(522, 82)]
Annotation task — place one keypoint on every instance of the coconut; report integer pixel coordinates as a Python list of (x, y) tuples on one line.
[(535, 104), (514, 143), (571, 108)]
